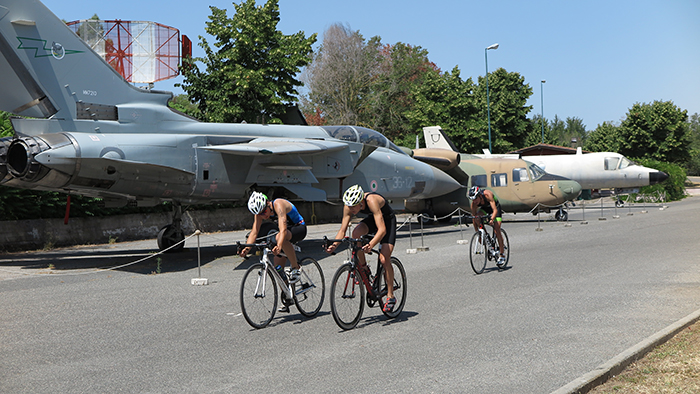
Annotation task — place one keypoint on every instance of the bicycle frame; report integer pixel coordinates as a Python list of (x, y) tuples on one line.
[(269, 267), (370, 285)]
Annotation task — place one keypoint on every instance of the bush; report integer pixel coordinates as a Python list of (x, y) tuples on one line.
[(674, 186)]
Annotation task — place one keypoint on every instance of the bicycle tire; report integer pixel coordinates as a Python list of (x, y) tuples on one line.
[(400, 287), (258, 302), (506, 248), (478, 254), (347, 297), (310, 290)]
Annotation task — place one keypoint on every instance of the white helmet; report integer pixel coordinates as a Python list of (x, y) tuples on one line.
[(257, 202), (353, 195)]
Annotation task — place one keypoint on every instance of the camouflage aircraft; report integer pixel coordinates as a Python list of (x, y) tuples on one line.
[(520, 186), (92, 133)]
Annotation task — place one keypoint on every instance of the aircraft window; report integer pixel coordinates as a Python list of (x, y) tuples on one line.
[(499, 180), (536, 171), (371, 137), (520, 175), (625, 162), (611, 163), (479, 180), (345, 133)]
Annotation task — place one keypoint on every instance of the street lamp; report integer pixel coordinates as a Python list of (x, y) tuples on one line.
[(488, 107), (542, 106)]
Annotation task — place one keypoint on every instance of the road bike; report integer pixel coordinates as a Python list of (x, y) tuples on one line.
[(348, 295), (261, 282), (484, 246)]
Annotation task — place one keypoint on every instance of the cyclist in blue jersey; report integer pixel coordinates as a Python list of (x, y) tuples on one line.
[(292, 229)]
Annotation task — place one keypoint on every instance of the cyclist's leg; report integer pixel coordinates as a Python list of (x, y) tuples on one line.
[(385, 258), (293, 235), (361, 229), (497, 228)]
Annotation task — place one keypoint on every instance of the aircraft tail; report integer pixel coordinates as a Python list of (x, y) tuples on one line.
[(48, 71), (436, 138)]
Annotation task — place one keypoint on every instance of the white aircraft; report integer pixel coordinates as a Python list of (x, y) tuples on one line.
[(600, 170)]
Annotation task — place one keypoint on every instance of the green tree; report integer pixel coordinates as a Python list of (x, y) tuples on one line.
[(182, 103), (693, 166), (252, 75), (605, 138), (445, 100), (574, 129), (657, 131), (401, 67), (6, 129), (534, 137), (508, 95)]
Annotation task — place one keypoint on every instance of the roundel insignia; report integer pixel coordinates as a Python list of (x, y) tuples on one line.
[(373, 185), (57, 51)]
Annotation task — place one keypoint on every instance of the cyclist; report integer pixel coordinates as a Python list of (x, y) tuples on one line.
[(484, 202), (381, 221), (292, 229)]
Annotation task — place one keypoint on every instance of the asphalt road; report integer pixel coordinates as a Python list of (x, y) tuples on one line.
[(573, 298)]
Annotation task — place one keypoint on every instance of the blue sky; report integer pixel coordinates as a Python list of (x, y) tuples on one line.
[(598, 57)]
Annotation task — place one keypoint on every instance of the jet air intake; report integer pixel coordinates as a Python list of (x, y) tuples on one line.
[(440, 158)]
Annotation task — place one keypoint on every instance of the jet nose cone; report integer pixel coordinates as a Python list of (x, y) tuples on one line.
[(657, 177), (571, 189), (442, 184)]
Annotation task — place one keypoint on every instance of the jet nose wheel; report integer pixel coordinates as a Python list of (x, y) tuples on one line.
[(169, 236), (561, 215)]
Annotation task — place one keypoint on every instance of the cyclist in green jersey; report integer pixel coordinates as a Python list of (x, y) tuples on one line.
[(484, 202)]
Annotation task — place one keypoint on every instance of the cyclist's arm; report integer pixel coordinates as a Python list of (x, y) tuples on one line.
[(494, 209), (343, 228), (475, 218), (281, 207), (257, 222)]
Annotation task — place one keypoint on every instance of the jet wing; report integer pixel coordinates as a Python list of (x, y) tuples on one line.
[(279, 146)]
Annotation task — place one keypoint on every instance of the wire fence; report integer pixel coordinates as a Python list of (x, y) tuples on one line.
[(657, 198)]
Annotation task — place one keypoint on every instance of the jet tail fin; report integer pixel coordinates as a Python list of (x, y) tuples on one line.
[(436, 138), (48, 71)]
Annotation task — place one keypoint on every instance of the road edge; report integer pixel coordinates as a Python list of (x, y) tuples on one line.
[(614, 366)]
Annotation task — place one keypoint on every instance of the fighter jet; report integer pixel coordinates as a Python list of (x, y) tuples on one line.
[(600, 170), (520, 186), (92, 133)]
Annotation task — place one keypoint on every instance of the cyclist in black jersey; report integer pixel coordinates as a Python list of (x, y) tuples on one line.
[(485, 202), (381, 221)]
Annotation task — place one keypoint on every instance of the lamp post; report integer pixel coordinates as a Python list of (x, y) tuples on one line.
[(542, 106), (488, 107)]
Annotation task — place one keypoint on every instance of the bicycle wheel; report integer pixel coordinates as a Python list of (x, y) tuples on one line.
[(506, 248), (258, 296), (399, 287), (347, 297), (311, 288), (477, 254)]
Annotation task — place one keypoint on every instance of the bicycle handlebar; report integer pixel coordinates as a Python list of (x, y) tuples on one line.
[(364, 240)]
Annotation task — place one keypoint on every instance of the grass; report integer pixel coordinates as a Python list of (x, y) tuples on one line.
[(673, 367)]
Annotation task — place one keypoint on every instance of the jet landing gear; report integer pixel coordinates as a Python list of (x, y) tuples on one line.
[(172, 233), (561, 215)]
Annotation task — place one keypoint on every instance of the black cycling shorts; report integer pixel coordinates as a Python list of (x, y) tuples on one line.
[(298, 232), (389, 223)]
